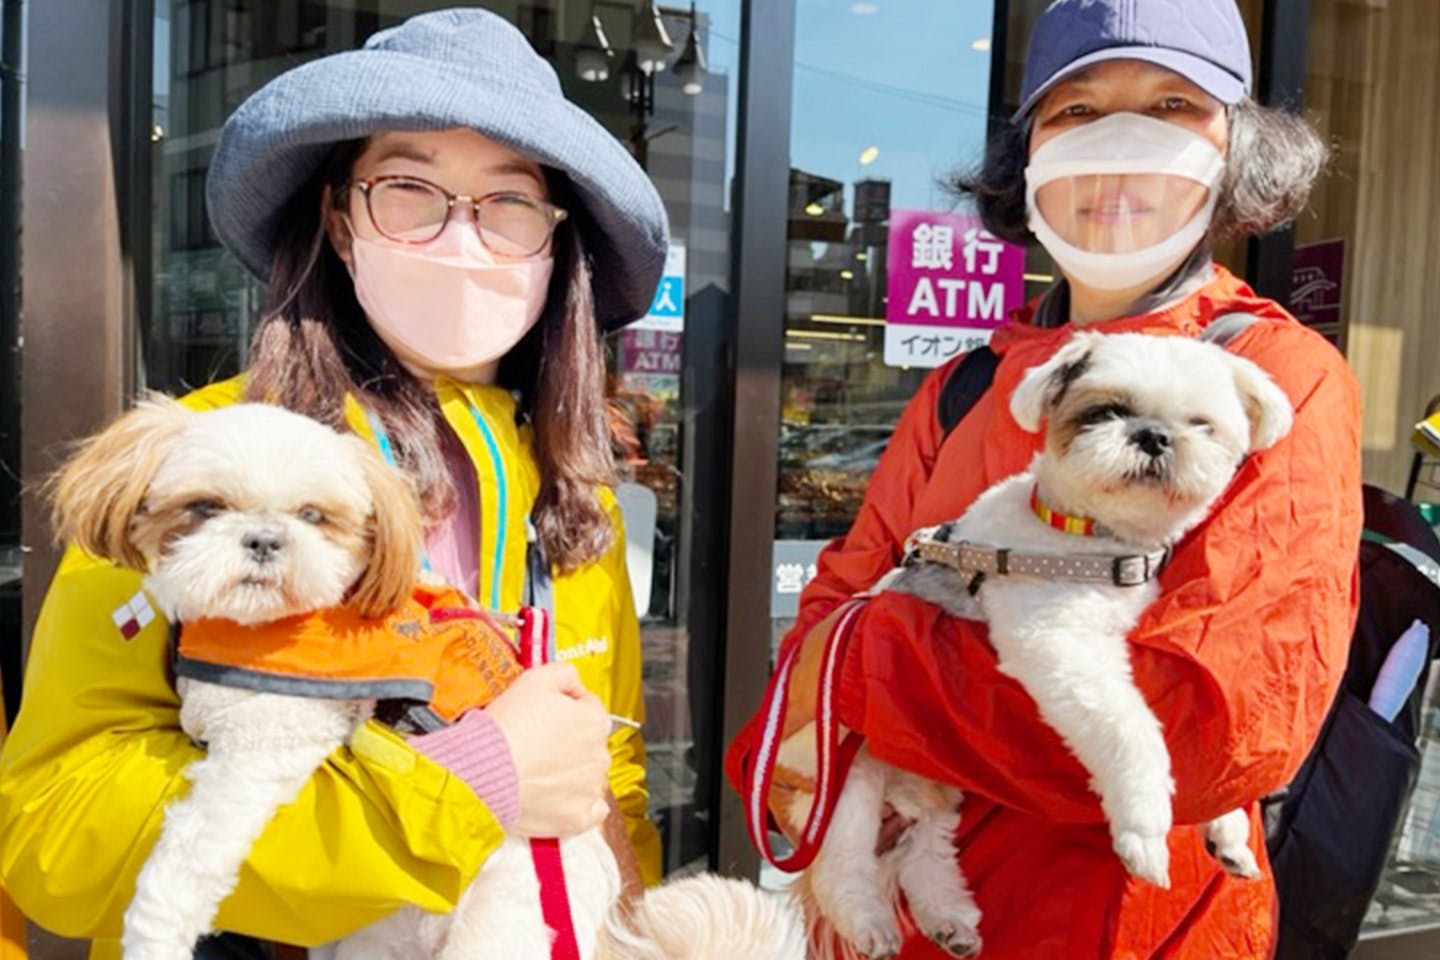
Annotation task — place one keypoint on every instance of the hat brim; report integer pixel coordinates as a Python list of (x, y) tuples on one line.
[(276, 141), (1216, 81)]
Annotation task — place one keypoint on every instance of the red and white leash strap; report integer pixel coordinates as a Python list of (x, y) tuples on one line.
[(549, 868), (833, 757), (534, 636)]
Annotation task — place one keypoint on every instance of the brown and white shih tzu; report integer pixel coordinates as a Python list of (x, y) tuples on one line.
[(251, 514), (1142, 434)]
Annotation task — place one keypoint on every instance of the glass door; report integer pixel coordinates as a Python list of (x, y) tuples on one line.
[(890, 99)]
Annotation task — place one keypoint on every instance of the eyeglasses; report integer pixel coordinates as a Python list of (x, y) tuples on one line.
[(411, 210)]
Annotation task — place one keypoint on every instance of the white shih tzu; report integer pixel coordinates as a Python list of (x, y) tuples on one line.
[(1142, 435), (250, 514)]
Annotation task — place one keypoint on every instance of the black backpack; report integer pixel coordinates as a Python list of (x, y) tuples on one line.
[(1329, 833)]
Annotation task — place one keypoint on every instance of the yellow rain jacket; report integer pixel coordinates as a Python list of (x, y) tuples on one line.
[(97, 751)]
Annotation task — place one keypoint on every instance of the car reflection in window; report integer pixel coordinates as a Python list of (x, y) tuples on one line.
[(824, 471)]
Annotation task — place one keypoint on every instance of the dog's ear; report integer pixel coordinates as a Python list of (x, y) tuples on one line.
[(97, 494), (396, 537), (1266, 405), (1044, 386)]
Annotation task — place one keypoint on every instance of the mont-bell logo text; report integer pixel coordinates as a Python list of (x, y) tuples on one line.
[(589, 647)]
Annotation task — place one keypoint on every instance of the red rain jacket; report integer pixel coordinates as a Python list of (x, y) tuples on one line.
[(1239, 658)]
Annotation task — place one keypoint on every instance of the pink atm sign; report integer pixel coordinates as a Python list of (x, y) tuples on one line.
[(950, 284)]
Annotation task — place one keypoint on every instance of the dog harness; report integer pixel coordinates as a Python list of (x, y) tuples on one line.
[(436, 649), (975, 561)]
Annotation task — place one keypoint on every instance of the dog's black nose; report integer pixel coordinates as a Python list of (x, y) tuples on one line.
[(262, 545), (1153, 442)]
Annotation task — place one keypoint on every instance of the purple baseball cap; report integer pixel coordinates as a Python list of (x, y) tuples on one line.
[(1202, 40)]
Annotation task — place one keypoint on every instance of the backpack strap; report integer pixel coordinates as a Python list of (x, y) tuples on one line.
[(968, 382), (1226, 327), (964, 387)]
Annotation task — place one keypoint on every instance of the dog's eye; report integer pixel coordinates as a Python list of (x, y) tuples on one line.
[(311, 515), (1202, 424), (1108, 411), (204, 509)]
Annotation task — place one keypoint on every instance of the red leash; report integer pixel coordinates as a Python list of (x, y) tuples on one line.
[(554, 897), (833, 757)]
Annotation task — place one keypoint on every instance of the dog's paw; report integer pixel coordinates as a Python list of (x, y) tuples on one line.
[(950, 922), (1236, 858), (879, 945), (956, 940), (1227, 840), (1146, 857), (875, 936)]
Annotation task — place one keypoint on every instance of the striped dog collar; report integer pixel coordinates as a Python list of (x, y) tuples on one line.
[(1064, 522)]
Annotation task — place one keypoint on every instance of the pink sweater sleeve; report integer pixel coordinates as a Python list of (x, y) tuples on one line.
[(474, 749)]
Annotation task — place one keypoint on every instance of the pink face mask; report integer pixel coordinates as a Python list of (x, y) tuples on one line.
[(447, 306)]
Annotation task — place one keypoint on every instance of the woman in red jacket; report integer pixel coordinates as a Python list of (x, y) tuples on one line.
[(1135, 146)]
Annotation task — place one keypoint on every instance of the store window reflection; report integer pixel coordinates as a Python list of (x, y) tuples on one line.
[(661, 79), (877, 127)]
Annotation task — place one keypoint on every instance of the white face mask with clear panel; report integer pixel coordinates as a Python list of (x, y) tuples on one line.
[(1123, 199)]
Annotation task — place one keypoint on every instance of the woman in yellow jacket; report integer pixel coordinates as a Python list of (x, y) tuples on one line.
[(441, 266)]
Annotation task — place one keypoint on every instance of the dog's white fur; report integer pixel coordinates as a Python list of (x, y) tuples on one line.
[(1063, 640), (251, 513)]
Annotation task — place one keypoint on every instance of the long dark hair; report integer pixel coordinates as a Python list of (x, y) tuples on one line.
[(314, 347)]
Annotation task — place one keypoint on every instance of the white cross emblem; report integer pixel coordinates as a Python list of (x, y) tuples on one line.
[(133, 615)]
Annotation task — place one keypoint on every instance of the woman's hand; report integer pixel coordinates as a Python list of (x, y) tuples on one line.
[(557, 732)]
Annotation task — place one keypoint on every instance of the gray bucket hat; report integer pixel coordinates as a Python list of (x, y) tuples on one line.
[(450, 68), (1202, 40)]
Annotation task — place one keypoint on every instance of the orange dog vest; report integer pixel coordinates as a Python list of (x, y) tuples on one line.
[(436, 649)]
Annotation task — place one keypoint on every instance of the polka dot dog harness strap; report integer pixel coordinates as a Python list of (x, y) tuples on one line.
[(971, 560)]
